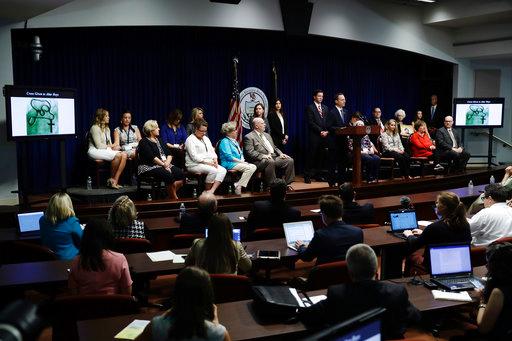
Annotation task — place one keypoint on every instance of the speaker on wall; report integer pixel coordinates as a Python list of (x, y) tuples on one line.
[(296, 16)]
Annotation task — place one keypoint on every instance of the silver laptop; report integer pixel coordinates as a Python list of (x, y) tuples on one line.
[(299, 230), (29, 222), (401, 221)]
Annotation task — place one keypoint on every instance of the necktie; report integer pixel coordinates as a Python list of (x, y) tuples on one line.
[(432, 111), (454, 142), (267, 144), (320, 111), (342, 117)]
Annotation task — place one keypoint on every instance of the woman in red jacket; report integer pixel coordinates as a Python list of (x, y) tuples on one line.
[(421, 144)]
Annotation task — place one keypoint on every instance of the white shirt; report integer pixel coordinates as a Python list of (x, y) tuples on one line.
[(454, 142), (198, 151), (267, 144), (280, 117), (491, 223)]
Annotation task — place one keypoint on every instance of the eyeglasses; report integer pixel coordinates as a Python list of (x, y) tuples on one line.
[(202, 131)]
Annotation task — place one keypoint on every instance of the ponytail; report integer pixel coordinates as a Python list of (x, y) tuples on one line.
[(457, 220)]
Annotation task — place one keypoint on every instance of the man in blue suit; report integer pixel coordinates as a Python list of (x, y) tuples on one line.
[(338, 149), (330, 244)]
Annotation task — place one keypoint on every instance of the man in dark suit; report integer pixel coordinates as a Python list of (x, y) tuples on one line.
[(330, 244), (353, 213), (338, 150), (273, 212), (362, 294), (316, 120), (376, 120), (449, 147), (198, 221), (434, 115)]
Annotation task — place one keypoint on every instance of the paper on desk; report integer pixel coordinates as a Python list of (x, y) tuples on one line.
[(315, 210), (461, 296), (178, 259), (133, 330), (161, 256), (424, 223), (316, 299), (296, 295)]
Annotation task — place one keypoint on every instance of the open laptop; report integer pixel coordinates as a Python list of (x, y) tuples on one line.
[(28, 223), (236, 234), (450, 267), (299, 230), (402, 220)]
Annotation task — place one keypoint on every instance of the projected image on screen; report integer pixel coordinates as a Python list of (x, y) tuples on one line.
[(42, 117), (478, 112), (477, 115)]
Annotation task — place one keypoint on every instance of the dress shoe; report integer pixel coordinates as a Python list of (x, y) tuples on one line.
[(307, 179)]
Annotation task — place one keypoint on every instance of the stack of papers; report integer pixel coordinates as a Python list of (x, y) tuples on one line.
[(133, 330), (424, 223), (461, 296), (166, 256)]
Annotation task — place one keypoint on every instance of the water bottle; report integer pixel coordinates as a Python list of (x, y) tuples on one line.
[(492, 180), (89, 183), (230, 189), (194, 193), (470, 187), (149, 197), (261, 186), (183, 210)]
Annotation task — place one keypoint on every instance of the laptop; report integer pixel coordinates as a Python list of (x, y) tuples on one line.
[(364, 327), (28, 223), (402, 220), (236, 234), (450, 267), (299, 230)]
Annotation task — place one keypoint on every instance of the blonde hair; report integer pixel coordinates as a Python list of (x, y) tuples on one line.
[(59, 208), (388, 129), (194, 113), (149, 126), (122, 213), (99, 116)]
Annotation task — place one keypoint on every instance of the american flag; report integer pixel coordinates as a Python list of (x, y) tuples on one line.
[(235, 113)]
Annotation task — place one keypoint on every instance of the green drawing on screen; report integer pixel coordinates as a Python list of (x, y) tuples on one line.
[(42, 117), (477, 115)]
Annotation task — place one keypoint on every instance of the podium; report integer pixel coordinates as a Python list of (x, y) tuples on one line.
[(357, 133)]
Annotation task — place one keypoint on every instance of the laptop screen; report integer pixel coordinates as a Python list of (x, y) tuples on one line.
[(236, 234), (299, 230), (403, 220), (29, 222), (450, 259)]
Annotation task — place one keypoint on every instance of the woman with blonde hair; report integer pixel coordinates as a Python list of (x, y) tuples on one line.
[(122, 217), (60, 229), (392, 147), (197, 114), (101, 147)]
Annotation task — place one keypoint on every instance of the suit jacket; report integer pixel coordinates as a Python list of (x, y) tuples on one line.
[(444, 141), (194, 222), (331, 243), (353, 213), (254, 147), (267, 214), (438, 120), (315, 122), (350, 299), (276, 128)]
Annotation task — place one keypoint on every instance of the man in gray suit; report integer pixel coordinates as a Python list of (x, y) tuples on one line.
[(449, 146), (260, 150)]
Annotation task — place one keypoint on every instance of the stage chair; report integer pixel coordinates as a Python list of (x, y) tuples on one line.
[(132, 245), (97, 168), (14, 252), (230, 288), (66, 311), (478, 255), (389, 162), (155, 186), (196, 180), (183, 240)]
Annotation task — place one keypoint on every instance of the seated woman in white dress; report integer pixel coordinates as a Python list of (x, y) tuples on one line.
[(101, 147), (127, 135), (201, 157)]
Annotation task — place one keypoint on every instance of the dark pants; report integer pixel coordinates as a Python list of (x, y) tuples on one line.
[(339, 159), (372, 164), (164, 175), (459, 159), (316, 157), (403, 161)]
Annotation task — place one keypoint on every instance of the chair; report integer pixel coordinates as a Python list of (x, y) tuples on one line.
[(132, 245), (389, 162), (478, 256), (263, 233), (324, 275), (502, 240), (197, 180), (96, 167), (14, 252), (230, 288), (66, 311), (155, 186), (183, 240), (366, 226)]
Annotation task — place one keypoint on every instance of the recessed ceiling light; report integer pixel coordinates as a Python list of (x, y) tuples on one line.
[(429, 1)]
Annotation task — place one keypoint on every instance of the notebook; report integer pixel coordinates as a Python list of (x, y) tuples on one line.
[(402, 220), (450, 267), (29, 222), (236, 234), (299, 230)]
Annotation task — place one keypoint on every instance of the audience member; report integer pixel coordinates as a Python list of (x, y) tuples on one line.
[(495, 220), (316, 121), (174, 135), (219, 253), (278, 123), (452, 227), (60, 229), (206, 208), (155, 160), (273, 212), (353, 213), (260, 150), (232, 157), (392, 147), (127, 135), (370, 159), (330, 243), (122, 217), (449, 146), (193, 315), (495, 309), (506, 182), (196, 115), (99, 270), (362, 294), (338, 149), (201, 157), (101, 147)]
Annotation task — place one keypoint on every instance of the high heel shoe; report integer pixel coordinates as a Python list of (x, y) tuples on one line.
[(111, 184)]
